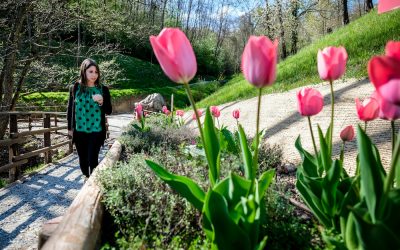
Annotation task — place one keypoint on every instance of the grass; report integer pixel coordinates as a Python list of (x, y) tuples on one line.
[(363, 38)]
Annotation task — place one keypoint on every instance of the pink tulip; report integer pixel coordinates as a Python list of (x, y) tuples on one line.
[(164, 109), (175, 54), (139, 112), (392, 49), (387, 110), (331, 63), (180, 113), (199, 113), (347, 133), (387, 5), (384, 73), (259, 60), (236, 113), (368, 110), (167, 112), (309, 101), (215, 111)]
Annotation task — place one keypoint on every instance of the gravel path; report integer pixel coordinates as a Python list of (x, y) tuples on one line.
[(27, 204), (279, 116)]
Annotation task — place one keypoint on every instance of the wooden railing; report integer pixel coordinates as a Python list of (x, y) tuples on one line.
[(18, 137)]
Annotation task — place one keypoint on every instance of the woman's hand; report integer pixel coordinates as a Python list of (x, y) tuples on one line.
[(98, 98)]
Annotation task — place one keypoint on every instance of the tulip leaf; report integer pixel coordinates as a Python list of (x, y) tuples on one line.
[(309, 165), (372, 173), (330, 184), (211, 148), (396, 159), (264, 181), (246, 154), (328, 139), (183, 185), (261, 135), (325, 155), (232, 189), (312, 200), (376, 235), (231, 145), (227, 234)]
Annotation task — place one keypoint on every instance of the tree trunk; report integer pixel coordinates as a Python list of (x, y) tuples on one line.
[(163, 14), (10, 63), (282, 31), (295, 25), (188, 16), (368, 5), (346, 19)]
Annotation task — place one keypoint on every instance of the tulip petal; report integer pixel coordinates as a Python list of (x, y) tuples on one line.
[(392, 49)]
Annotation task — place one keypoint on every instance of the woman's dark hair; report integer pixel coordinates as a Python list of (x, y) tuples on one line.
[(87, 63)]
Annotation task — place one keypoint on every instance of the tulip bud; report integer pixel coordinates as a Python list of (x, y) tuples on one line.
[(215, 111), (236, 113), (199, 113), (331, 63), (180, 113), (368, 110), (259, 60), (175, 54), (309, 102), (347, 133)]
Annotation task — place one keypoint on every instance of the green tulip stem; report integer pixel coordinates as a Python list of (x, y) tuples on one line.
[(218, 124), (312, 136), (393, 135), (190, 96), (342, 153), (332, 113), (255, 160)]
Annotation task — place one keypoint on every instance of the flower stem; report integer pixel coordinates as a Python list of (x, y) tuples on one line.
[(332, 113), (342, 153), (255, 160), (190, 96), (312, 136), (393, 136)]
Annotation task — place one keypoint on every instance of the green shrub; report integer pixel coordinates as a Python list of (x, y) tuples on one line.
[(286, 227)]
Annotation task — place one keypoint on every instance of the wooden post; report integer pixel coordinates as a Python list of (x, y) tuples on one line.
[(47, 141), (13, 173), (29, 122)]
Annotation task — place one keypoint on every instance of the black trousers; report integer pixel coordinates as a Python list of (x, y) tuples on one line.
[(88, 147)]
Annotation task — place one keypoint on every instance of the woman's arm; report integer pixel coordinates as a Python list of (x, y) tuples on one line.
[(106, 101)]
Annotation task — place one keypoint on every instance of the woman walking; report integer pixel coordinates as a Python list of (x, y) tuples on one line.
[(89, 102)]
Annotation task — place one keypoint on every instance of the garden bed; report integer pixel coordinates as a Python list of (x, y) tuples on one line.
[(146, 213)]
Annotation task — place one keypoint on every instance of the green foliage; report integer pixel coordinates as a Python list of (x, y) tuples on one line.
[(286, 227), (147, 212), (363, 38), (3, 182)]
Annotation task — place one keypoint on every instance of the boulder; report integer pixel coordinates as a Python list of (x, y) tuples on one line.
[(153, 102)]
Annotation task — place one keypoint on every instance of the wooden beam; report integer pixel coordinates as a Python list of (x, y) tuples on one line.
[(12, 165), (81, 224), (38, 131), (38, 151)]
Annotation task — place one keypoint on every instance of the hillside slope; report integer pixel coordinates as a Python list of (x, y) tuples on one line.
[(363, 38)]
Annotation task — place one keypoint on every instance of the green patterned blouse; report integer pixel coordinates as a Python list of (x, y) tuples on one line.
[(87, 111)]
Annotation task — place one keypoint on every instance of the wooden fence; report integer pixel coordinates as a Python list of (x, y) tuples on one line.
[(17, 137)]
